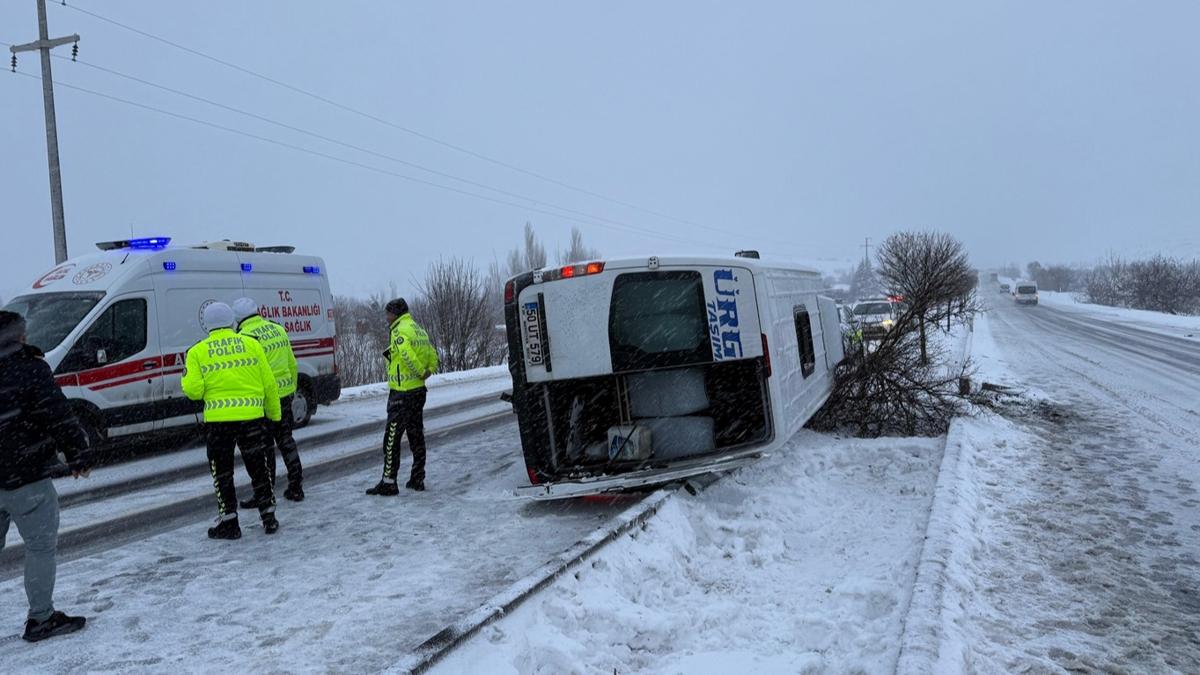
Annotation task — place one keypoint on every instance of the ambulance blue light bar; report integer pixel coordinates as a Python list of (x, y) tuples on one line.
[(246, 267), (169, 265), (312, 269), (142, 243), (153, 243)]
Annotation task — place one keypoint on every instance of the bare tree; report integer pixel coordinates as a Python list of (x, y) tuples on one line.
[(577, 251), (902, 384), (531, 256), (864, 283), (455, 306), (362, 335), (931, 272)]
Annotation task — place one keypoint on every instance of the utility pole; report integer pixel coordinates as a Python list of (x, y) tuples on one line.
[(866, 246), (44, 45)]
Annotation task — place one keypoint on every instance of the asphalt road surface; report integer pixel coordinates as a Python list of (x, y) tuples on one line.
[(1092, 516)]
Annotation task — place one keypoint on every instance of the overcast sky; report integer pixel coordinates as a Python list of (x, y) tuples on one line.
[(1054, 131)]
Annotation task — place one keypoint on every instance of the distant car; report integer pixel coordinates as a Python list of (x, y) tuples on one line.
[(1026, 293), (1005, 288), (874, 317)]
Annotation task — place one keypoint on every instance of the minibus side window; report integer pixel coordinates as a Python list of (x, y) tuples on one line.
[(804, 338), (117, 334)]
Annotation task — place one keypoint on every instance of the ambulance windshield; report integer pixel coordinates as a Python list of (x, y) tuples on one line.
[(50, 317)]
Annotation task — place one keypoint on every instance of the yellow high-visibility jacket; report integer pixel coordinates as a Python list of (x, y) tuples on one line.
[(230, 373), (410, 355), (278, 348)]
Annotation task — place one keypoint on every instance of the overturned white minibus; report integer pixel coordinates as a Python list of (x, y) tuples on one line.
[(642, 371)]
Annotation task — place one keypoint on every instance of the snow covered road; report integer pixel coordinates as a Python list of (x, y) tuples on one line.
[(1079, 529), (350, 584)]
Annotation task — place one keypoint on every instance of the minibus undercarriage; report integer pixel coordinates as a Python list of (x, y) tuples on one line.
[(642, 420)]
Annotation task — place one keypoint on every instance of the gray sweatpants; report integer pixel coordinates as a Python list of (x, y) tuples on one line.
[(34, 507)]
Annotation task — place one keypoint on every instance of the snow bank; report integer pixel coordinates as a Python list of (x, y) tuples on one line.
[(439, 380), (1167, 324), (799, 563)]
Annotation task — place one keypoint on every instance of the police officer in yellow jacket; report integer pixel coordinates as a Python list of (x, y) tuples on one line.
[(278, 347), (230, 373), (411, 360)]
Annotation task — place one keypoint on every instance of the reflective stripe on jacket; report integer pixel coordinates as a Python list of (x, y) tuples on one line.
[(410, 355), (230, 373), (278, 348)]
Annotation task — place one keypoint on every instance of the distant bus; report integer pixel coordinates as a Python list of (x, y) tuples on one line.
[(642, 371)]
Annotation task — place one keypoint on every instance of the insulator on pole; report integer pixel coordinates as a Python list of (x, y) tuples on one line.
[(74, 47)]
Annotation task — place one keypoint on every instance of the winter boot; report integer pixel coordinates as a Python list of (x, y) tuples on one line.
[(384, 489), (270, 523), (226, 529), (57, 624), (294, 493), (416, 485)]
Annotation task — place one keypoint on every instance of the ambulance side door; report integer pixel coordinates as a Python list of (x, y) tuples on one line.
[(182, 299), (118, 360)]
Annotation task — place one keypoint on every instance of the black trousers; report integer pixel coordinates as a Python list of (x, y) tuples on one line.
[(281, 437), (405, 415), (252, 439)]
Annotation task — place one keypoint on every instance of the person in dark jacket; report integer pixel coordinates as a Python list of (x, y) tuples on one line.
[(36, 423)]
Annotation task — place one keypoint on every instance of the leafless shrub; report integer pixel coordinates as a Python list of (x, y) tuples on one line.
[(893, 388), (455, 306), (1159, 284)]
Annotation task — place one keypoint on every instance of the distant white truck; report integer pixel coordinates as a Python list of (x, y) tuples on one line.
[(115, 325), (1025, 293)]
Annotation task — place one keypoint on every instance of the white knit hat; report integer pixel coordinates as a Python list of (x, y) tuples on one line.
[(217, 315), (243, 308)]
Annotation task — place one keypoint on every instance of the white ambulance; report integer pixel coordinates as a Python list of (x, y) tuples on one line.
[(115, 325)]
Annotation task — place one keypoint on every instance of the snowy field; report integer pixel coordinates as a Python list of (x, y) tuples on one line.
[(799, 563)]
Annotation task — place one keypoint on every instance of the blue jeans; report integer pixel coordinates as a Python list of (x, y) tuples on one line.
[(34, 507)]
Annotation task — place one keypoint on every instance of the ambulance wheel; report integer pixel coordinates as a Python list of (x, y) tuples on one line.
[(304, 404), (91, 427)]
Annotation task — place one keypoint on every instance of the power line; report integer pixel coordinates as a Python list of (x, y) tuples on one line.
[(358, 148), (368, 167), (400, 127)]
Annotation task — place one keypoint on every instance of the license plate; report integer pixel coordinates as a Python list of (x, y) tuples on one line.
[(531, 330)]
